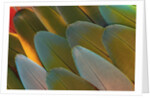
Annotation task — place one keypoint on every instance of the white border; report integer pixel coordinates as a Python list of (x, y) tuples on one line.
[(139, 45)]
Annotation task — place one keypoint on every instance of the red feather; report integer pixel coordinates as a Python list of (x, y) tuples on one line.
[(11, 24)]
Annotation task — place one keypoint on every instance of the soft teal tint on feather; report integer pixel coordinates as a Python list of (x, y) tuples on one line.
[(88, 35), (128, 11), (54, 51), (99, 72), (32, 75), (124, 15)]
